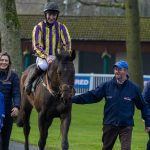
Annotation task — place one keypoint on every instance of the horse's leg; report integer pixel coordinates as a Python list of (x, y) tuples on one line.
[(21, 115), (24, 116), (65, 123), (44, 122), (26, 126)]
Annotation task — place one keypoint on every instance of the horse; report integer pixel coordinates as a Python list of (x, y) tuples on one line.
[(51, 98)]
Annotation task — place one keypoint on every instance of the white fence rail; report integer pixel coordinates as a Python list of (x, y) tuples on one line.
[(85, 82)]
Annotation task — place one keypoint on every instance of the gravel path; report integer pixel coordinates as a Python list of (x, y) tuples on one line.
[(18, 146)]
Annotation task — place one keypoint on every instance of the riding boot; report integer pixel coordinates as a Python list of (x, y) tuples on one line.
[(33, 74)]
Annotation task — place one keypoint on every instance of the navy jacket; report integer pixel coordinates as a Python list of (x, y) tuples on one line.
[(2, 110), (120, 102), (10, 90), (2, 106), (146, 93)]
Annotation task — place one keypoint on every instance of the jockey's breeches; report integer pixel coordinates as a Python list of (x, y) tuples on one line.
[(41, 63)]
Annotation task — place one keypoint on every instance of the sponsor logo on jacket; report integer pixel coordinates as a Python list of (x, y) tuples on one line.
[(127, 98)]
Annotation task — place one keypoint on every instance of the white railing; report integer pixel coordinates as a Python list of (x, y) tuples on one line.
[(85, 82)]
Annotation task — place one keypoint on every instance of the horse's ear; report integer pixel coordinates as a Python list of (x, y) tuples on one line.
[(73, 54)]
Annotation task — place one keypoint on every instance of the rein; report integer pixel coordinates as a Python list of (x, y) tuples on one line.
[(48, 86)]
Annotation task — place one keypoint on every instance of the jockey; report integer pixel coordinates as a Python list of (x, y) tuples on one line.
[(48, 36)]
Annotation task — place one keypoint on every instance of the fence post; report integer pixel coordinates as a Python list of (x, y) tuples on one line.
[(91, 81)]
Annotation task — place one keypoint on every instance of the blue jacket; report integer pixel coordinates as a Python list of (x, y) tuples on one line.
[(10, 90), (2, 110), (120, 102), (146, 93)]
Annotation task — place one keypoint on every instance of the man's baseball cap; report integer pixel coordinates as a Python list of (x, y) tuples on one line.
[(121, 64)]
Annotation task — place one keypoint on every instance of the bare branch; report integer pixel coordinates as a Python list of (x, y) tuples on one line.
[(115, 4)]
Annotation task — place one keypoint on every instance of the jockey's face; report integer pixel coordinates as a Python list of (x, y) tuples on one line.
[(4, 62), (51, 16)]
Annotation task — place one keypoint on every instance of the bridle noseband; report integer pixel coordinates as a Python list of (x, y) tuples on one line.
[(64, 88)]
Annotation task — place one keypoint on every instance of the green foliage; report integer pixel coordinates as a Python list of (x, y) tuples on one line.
[(85, 131)]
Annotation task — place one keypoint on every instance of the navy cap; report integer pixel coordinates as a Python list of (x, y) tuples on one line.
[(121, 64)]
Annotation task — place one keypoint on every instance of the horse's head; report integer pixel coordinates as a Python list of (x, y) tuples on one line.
[(63, 73)]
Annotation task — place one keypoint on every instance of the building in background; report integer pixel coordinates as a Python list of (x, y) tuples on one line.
[(73, 8), (93, 32), (91, 37)]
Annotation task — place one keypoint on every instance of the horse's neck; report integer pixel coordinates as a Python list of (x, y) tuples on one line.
[(52, 80)]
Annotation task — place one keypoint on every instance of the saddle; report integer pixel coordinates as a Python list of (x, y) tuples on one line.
[(33, 78), (36, 82)]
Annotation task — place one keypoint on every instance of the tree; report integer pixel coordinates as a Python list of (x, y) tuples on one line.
[(133, 37), (133, 42), (10, 35)]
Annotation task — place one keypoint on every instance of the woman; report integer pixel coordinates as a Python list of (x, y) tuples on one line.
[(10, 88)]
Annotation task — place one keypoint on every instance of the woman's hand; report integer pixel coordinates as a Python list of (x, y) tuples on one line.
[(14, 112)]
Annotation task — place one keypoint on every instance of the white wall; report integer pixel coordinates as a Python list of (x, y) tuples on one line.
[(120, 56), (30, 6)]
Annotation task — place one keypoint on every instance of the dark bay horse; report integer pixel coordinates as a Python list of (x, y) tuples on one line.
[(51, 98)]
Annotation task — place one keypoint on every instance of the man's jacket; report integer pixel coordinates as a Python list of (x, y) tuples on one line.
[(120, 102), (146, 93)]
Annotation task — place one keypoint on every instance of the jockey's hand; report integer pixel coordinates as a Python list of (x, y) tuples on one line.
[(14, 112), (50, 59)]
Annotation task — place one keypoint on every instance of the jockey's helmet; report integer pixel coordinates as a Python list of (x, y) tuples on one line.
[(51, 6)]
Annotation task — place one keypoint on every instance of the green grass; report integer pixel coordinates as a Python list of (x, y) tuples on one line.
[(85, 131)]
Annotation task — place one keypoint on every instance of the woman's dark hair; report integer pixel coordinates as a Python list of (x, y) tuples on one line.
[(8, 70)]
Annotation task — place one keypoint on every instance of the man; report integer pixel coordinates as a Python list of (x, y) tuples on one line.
[(48, 36), (146, 96), (121, 96)]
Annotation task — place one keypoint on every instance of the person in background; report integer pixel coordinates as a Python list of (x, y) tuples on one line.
[(48, 37), (10, 88), (121, 96), (146, 96), (2, 115)]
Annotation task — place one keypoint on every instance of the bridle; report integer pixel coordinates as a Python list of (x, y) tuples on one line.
[(61, 89)]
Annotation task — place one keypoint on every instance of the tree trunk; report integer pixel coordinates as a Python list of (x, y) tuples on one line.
[(10, 36), (133, 42)]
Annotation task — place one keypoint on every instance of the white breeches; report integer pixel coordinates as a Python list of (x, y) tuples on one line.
[(41, 63)]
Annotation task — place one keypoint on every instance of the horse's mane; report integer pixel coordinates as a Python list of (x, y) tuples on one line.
[(66, 56)]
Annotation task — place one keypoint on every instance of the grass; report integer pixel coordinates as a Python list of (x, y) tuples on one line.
[(85, 131)]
